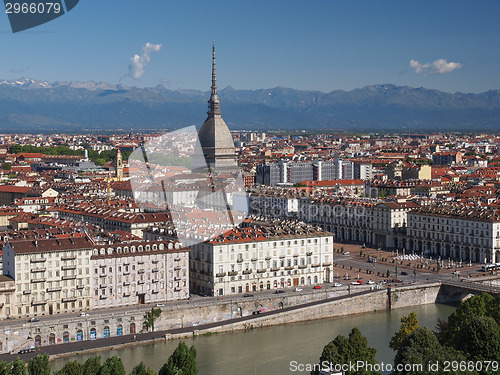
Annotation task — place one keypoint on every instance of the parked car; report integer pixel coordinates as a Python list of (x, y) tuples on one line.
[(84, 314), (31, 320), (317, 287), (248, 295), (337, 285), (298, 289), (371, 282), (404, 273), (277, 291), (24, 351), (160, 305), (346, 253)]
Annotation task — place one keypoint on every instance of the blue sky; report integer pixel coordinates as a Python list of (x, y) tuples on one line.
[(314, 45)]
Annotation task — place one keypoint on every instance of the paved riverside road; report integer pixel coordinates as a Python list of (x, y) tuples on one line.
[(118, 340)]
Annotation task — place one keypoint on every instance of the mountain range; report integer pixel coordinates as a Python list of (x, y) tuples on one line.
[(41, 106)]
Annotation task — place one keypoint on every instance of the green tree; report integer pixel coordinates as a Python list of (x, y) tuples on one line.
[(39, 365), (480, 339), (92, 365), (150, 318), (4, 368), (17, 367), (342, 350), (476, 306), (141, 369), (100, 161), (408, 325), (6, 166), (71, 368), (422, 348), (112, 366), (181, 362)]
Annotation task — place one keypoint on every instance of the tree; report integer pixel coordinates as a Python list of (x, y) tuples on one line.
[(421, 348), (342, 350), (4, 368), (18, 367), (71, 368), (480, 339), (112, 366), (39, 365), (408, 325), (6, 166), (92, 365), (476, 306), (141, 369), (181, 362), (150, 318)]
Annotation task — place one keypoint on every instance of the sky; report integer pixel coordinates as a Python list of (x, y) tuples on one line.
[(320, 45)]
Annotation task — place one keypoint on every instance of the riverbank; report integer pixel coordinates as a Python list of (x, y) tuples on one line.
[(356, 303)]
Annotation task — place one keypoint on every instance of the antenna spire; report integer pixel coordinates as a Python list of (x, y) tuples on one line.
[(214, 102)]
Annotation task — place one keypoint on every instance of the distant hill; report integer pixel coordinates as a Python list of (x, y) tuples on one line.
[(29, 105)]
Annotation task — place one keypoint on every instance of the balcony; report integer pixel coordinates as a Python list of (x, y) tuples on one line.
[(232, 273), (38, 303), (274, 269), (262, 270), (140, 271), (155, 291), (79, 287), (327, 264), (302, 266), (177, 278), (69, 267), (316, 265), (37, 260), (220, 274), (140, 282), (68, 277), (26, 292), (126, 295), (239, 260), (126, 283), (177, 259), (34, 270), (69, 299), (247, 272), (42, 280), (177, 268), (254, 259), (268, 258), (55, 289), (154, 281), (155, 270), (289, 268), (68, 257)]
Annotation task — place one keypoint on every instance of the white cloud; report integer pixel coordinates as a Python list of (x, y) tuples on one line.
[(440, 66), (138, 63)]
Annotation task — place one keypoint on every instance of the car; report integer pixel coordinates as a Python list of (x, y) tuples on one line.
[(256, 312), (24, 351), (248, 295), (396, 281), (355, 283), (298, 289), (346, 253), (84, 314), (160, 305), (371, 282), (32, 320), (277, 291), (317, 287), (337, 285), (404, 273)]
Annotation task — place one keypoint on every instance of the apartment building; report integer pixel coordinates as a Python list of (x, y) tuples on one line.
[(455, 231), (262, 256), (141, 272), (51, 275)]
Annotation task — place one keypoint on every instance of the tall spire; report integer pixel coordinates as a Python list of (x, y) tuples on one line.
[(213, 102)]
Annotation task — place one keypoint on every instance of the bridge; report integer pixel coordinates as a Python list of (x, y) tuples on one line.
[(458, 290)]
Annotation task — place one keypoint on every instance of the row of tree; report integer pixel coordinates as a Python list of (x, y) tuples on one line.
[(468, 342), (100, 158), (181, 362)]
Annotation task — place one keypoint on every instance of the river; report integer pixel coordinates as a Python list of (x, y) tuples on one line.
[(269, 351)]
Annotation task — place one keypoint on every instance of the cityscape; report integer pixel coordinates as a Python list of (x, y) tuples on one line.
[(354, 231)]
